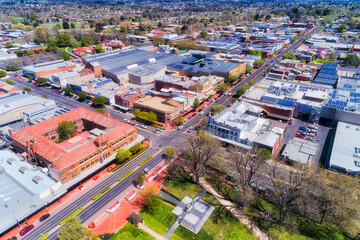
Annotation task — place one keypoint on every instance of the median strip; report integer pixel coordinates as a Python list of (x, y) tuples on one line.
[(103, 191), (70, 216), (43, 236), (146, 159), (127, 174)]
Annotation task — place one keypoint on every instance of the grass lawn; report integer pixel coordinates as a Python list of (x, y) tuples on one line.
[(182, 188), (17, 19), (161, 219), (295, 227), (130, 232), (53, 24)]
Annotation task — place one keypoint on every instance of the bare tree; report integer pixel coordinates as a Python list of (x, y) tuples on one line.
[(201, 148)]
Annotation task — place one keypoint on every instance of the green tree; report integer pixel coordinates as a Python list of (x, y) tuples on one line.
[(241, 90), (332, 57), (11, 68), (63, 40), (100, 100), (82, 95), (252, 52), (170, 152), (10, 82), (68, 90), (179, 119), (41, 80), (122, 155), (85, 41), (140, 179), (152, 117), (203, 34), (65, 25), (66, 130), (99, 48), (65, 56), (51, 46), (216, 108), (222, 87), (136, 148), (8, 45), (353, 60), (345, 37), (100, 110), (42, 34), (26, 89), (264, 153), (2, 74), (341, 28), (232, 78), (74, 230), (149, 199), (196, 103), (249, 69)]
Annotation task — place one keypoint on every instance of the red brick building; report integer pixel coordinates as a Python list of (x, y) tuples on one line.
[(98, 137)]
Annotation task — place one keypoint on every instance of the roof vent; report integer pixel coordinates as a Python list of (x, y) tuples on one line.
[(37, 179), (11, 161), (23, 169), (347, 126)]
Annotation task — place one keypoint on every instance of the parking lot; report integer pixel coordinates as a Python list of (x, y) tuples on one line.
[(30, 60)]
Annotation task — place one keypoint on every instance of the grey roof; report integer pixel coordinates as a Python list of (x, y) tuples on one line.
[(300, 151)]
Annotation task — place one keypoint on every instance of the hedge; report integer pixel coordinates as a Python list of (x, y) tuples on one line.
[(70, 216), (132, 157), (43, 236), (127, 174), (145, 160), (103, 191), (169, 193)]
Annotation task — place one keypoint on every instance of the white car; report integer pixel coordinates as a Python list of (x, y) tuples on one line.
[(313, 127), (202, 112), (144, 126)]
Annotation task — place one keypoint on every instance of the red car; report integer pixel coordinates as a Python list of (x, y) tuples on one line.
[(194, 114), (299, 135), (15, 75), (290, 122), (25, 230), (310, 131)]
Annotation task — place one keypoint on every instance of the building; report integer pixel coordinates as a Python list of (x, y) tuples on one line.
[(61, 79), (24, 189), (126, 101), (284, 100), (47, 69), (345, 153), (235, 58), (219, 46), (242, 126), (131, 65), (7, 88), (199, 65), (165, 109), (97, 139), (328, 74), (16, 107), (300, 151)]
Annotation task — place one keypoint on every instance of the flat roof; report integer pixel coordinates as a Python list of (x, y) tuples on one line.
[(165, 105), (345, 154), (300, 151), (39, 67)]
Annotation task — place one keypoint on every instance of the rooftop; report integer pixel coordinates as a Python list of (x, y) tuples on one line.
[(300, 151), (48, 66), (162, 104)]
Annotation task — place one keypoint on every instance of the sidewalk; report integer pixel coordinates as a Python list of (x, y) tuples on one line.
[(151, 232), (237, 213)]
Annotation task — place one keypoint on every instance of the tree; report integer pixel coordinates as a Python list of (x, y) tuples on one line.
[(100, 100), (249, 69), (68, 90), (170, 152), (196, 103), (345, 37), (232, 78), (332, 57), (26, 89), (203, 34), (244, 169), (216, 108), (258, 63), (42, 34), (200, 149), (73, 26), (241, 90), (263, 153), (152, 117), (122, 155), (63, 40), (11, 68), (135, 219), (51, 46), (124, 27), (41, 80), (65, 25), (2, 74), (100, 110), (82, 95), (66, 130), (353, 60), (252, 52), (10, 82), (341, 28), (179, 119), (65, 56), (140, 179), (149, 199), (137, 147), (85, 41), (222, 87), (74, 230), (8, 45), (99, 48)]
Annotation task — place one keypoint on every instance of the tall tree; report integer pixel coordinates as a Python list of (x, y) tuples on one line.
[(66, 130), (74, 230), (201, 148), (42, 34)]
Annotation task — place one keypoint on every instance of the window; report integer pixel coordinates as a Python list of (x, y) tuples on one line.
[(82, 169), (63, 180), (92, 163), (62, 173)]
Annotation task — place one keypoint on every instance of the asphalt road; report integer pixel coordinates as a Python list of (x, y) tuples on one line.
[(160, 141)]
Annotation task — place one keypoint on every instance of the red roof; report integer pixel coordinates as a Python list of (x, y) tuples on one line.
[(60, 155)]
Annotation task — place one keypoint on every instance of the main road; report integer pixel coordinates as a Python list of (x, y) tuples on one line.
[(162, 140)]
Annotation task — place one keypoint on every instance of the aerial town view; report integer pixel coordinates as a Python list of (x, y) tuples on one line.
[(179, 120)]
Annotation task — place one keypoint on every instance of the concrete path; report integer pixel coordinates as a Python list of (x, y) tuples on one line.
[(151, 232), (172, 229), (169, 198), (237, 213)]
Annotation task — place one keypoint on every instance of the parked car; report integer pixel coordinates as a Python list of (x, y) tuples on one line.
[(202, 112), (144, 126), (311, 134), (25, 230), (313, 127), (44, 217), (302, 132), (181, 127), (299, 135), (302, 128), (309, 138), (290, 122), (194, 114), (190, 130)]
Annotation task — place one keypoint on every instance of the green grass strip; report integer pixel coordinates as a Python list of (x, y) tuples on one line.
[(145, 160), (102, 192), (127, 174), (43, 236), (70, 216)]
